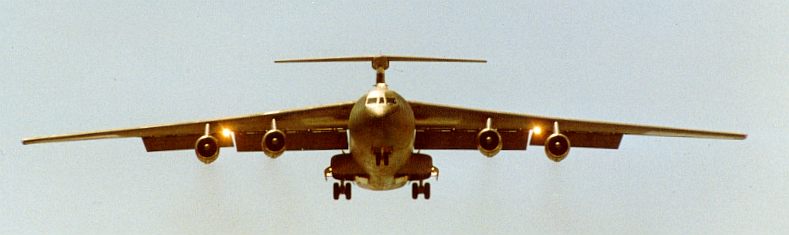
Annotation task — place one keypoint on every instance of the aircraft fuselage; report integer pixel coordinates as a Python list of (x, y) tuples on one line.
[(382, 133)]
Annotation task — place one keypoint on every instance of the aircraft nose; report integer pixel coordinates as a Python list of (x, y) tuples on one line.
[(380, 111)]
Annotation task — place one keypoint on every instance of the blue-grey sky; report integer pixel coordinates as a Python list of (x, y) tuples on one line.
[(91, 65)]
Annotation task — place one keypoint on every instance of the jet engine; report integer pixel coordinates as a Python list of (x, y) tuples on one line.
[(273, 143), (207, 149), (557, 145), (489, 141)]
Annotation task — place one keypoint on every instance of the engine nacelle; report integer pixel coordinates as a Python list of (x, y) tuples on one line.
[(273, 143), (207, 149), (557, 146), (489, 142)]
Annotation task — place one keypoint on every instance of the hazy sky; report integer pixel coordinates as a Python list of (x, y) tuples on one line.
[(92, 65)]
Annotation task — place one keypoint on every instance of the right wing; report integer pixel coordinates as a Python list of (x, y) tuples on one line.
[(313, 128), (448, 127)]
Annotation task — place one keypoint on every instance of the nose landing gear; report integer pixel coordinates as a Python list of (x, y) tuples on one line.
[(380, 158), (382, 155)]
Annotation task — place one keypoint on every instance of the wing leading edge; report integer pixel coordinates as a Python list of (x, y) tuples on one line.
[(447, 127)]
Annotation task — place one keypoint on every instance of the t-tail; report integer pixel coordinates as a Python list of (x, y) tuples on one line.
[(379, 62)]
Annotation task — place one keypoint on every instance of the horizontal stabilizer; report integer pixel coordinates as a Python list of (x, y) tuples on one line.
[(380, 62), (379, 58)]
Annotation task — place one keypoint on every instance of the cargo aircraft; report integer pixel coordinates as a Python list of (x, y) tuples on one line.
[(384, 133)]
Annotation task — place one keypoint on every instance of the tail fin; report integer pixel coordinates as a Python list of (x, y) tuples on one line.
[(380, 62)]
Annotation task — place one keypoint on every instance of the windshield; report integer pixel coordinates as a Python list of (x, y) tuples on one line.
[(381, 100)]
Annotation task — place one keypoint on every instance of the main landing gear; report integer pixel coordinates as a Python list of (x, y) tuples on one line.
[(417, 188), (342, 188)]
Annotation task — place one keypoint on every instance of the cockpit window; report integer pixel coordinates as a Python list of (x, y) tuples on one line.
[(381, 100)]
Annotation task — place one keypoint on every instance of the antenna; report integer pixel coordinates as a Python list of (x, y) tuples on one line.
[(380, 62)]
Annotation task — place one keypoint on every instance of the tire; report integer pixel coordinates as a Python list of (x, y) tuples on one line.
[(336, 192), (426, 191), (414, 191), (347, 190)]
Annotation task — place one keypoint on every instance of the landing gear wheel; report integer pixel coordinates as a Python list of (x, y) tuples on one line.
[(347, 190), (426, 190), (420, 188), (414, 191), (336, 192)]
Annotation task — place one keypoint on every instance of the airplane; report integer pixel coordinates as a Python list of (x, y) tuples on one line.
[(384, 133)]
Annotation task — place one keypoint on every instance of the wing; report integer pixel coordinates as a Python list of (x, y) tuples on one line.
[(446, 127), (313, 128)]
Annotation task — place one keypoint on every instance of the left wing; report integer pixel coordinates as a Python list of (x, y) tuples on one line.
[(446, 127), (313, 128)]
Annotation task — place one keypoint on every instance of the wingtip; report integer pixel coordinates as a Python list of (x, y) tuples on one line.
[(30, 141), (736, 136)]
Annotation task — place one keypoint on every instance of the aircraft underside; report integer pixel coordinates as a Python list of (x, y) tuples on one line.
[(417, 168)]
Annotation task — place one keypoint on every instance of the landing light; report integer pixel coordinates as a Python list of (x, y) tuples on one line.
[(537, 130), (227, 132)]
